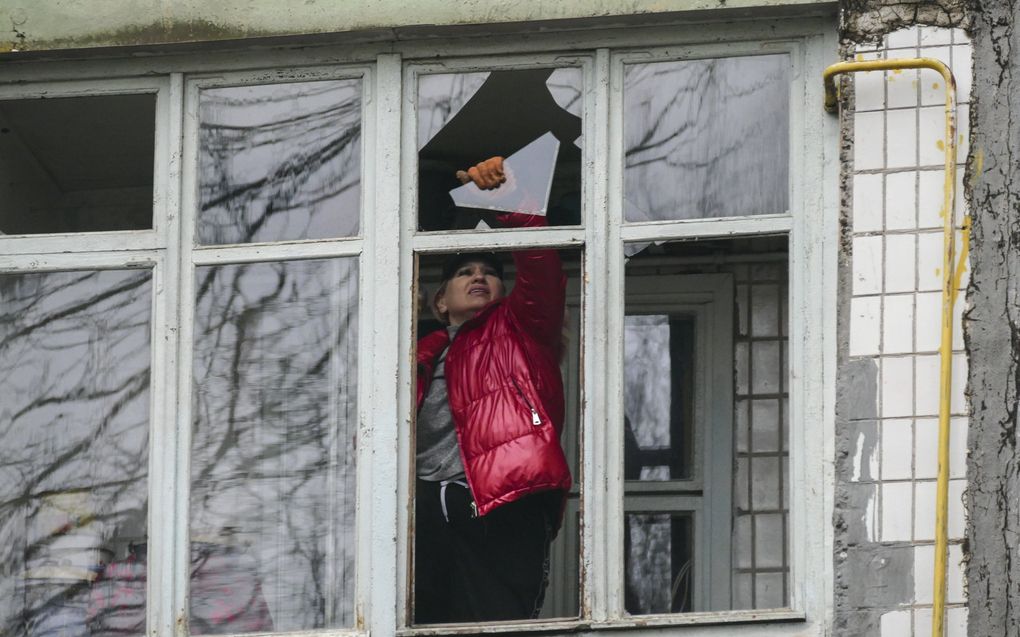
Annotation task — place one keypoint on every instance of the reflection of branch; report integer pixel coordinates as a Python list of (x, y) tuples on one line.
[(240, 321), (708, 88), (297, 166), (267, 339), (73, 309), (79, 393), (328, 116), (135, 387), (25, 305), (675, 163), (653, 122)]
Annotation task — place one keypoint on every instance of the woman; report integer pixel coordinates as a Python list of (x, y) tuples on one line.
[(491, 472)]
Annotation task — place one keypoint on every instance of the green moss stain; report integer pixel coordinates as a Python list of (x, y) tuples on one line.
[(154, 33)]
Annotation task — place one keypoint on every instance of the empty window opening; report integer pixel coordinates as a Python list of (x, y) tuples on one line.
[(77, 164)]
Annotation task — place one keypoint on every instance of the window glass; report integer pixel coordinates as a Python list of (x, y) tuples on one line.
[(274, 436), (761, 480), (706, 138), (466, 118), (659, 557), (74, 435), (705, 451), (76, 164), (658, 397), (279, 162), (496, 428)]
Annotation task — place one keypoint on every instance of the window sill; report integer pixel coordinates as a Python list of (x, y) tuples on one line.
[(567, 626)]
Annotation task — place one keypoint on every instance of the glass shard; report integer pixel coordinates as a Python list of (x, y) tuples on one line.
[(529, 174)]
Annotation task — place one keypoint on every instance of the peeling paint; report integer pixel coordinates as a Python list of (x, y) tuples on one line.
[(859, 388), (865, 454)]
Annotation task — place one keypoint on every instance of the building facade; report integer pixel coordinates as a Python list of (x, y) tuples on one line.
[(218, 226)]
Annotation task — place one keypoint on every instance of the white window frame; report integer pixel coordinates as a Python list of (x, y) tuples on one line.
[(128, 249), (194, 255), (389, 239), (164, 205), (708, 299)]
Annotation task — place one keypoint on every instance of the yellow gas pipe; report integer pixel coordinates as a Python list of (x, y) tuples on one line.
[(950, 282)]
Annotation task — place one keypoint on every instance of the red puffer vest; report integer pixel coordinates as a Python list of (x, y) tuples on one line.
[(504, 383)]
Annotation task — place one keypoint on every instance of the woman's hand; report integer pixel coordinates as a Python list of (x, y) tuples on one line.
[(487, 175)]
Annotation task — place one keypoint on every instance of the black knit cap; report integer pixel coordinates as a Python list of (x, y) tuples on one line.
[(454, 261)]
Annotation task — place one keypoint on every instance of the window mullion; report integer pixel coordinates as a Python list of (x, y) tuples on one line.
[(380, 404), (67, 242), (182, 246), (598, 488), (216, 255), (812, 323), (502, 239), (708, 228), (160, 600), (613, 365)]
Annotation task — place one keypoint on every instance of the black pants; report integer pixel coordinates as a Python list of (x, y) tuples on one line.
[(471, 569)]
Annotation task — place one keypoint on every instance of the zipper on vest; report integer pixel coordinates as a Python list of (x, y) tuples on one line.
[(535, 420)]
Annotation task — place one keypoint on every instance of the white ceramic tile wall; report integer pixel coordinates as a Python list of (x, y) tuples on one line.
[(866, 317), (895, 308), (868, 191), (901, 201)]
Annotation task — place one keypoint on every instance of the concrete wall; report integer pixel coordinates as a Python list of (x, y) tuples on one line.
[(993, 328), (40, 25), (884, 516)]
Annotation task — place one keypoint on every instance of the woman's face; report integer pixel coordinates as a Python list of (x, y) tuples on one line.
[(473, 285)]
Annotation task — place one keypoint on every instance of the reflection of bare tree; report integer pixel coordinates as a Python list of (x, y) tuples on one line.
[(707, 138), (565, 87), (440, 97), (659, 565), (648, 392), (274, 416), (658, 396), (274, 422), (280, 162), (74, 411)]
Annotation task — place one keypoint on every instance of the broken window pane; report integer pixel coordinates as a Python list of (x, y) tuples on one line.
[(466, 118), (509, 454), (279, 162), (76, 164), (273, 448), (706, 138), (74, 434)]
